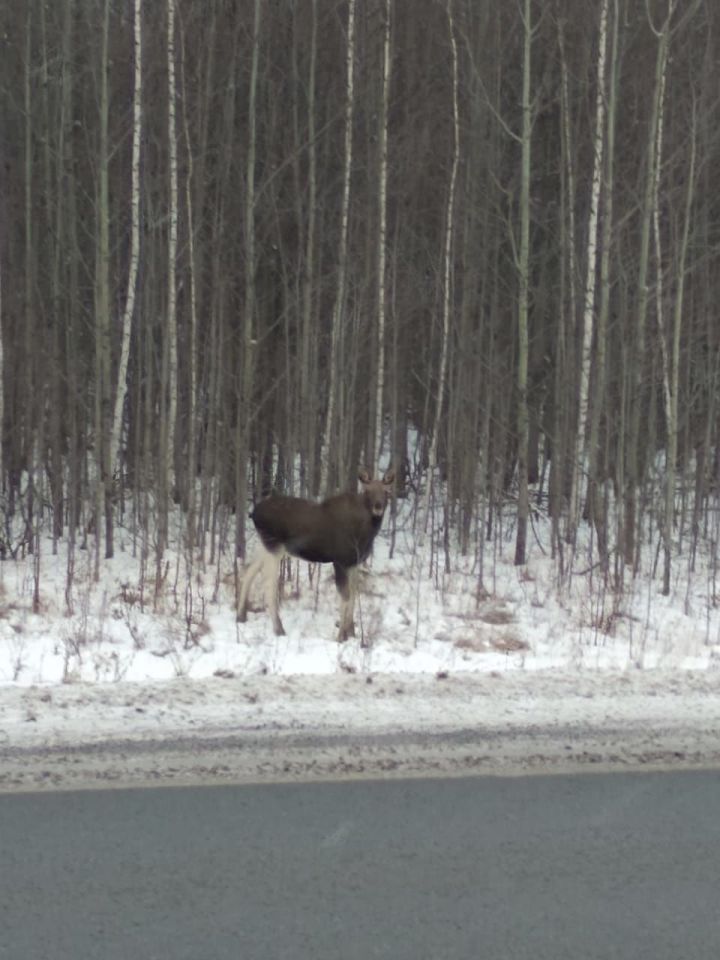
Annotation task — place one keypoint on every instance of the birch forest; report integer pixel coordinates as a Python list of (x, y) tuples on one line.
[(254, 245)]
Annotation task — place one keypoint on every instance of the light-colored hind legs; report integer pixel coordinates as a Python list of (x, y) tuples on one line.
[(269, 564), (346, 583)]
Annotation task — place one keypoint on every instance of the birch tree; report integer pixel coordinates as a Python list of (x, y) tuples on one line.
[(127, 317), (307, 365), (588, 319), (597, 513), (172, 246), (660, 317), (169, 339), (567, 313)]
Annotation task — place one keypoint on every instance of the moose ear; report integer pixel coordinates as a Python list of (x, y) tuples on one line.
[(388, 478), (364, 477)]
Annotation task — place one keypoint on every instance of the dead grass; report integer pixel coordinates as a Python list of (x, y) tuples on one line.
[(492, 642), (496, 613), (472, 644), (509, 643), (497, 616)]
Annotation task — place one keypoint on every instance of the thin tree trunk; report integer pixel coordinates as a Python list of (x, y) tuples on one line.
[(308, 401), (102, 314), (29, 402), (2, 382), (636, 397), (51, 443), (191, 464), (447, 281), (246, 412), (382, 244), (126, 323), (329, 438), (523, 271), (588, 322), (570, 174), (595, 500), (673, 375), (172, 248)]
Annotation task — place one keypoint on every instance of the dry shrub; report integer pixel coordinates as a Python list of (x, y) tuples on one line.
[(509, 643), (506, 642), (474, 644), (497, 615)]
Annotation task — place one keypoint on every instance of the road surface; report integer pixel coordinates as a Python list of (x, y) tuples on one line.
[(584, 867)]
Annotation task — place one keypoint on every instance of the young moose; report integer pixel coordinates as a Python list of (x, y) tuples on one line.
[(340, 531)]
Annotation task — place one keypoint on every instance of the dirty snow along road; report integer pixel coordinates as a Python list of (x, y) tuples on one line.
[(269, 727)]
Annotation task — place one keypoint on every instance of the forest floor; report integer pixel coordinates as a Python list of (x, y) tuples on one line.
[(454, 672)]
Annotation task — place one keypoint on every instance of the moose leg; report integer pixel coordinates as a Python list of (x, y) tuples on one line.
[(345, 583), (252, 571), (271, 573), (269, 563)]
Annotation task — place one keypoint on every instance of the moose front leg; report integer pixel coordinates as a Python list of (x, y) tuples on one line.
[(345, 581)]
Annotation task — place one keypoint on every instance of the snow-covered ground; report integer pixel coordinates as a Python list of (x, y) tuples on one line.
[(512, 649)]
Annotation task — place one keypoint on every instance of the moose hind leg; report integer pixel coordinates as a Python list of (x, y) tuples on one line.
[(271, 574), (252, 571), (345, 581)]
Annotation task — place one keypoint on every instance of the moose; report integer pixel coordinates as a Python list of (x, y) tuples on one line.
[(340, 530)]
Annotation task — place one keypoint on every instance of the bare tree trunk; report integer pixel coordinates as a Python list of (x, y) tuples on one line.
[(246, 412), (672, 375), (168, 403), (172, 248), (66, 266), (126, 324), (523, 296), (382, 243), (192, 461), (50, 442), (570, 174), (308, 400), (660, 318), (579, 458), (2, 379), (566, 310), (339, 309), (634, 436), (447, 280), (102, 315), (29, 403), (595, 500)]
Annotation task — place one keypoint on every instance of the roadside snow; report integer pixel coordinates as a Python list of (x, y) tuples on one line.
[(387, 703), (505, 651), (324, 727), (407, 622)]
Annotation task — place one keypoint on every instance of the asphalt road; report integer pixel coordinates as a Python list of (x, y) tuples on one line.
[(584, 867)]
